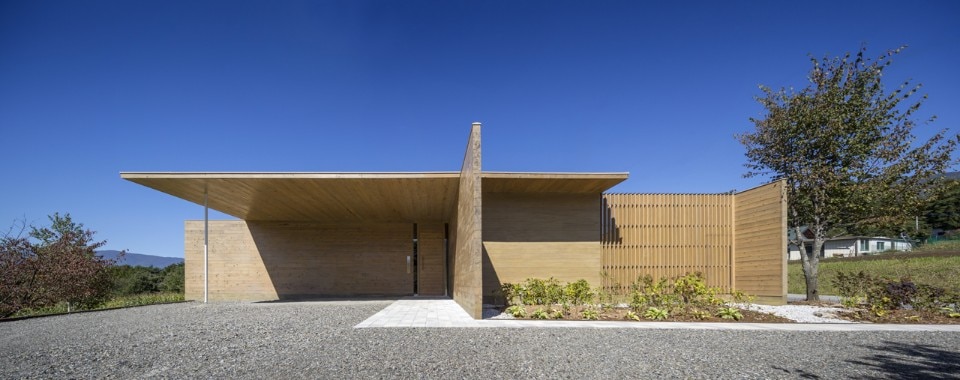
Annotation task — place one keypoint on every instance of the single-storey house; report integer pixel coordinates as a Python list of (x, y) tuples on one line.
[(852, 246), (457, 234)]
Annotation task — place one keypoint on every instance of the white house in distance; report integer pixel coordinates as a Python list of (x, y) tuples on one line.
[(851, 246)]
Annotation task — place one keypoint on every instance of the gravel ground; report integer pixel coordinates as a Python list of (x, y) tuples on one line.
[(800, 313), (317, 340)]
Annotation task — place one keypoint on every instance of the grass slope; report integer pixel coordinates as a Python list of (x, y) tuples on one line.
[(940, 269)]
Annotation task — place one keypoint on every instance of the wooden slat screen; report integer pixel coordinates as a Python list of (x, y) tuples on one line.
[(738, 241), (666, 235)]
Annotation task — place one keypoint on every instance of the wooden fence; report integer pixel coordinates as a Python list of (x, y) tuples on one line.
[(666, 235), (669, 235)]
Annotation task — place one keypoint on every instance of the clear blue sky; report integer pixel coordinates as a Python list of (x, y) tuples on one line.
[(92, 88)]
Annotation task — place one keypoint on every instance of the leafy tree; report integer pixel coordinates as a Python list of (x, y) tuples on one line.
[(18, 275), (943, 212), (172, 278), (846, 149), (60, 264), (69, 265), (130, 280)]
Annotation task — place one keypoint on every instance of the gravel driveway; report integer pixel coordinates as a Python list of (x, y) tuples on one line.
[(317, 340)]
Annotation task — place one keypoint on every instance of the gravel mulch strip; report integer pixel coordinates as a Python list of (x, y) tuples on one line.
[(317, 340)]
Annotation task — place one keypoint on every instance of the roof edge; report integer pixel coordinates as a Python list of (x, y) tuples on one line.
[(288, 175)]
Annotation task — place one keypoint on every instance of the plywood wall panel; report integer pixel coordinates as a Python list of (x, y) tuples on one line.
[(274, 260), (540, 236), (468, 265), (760, 233), (431, 261)]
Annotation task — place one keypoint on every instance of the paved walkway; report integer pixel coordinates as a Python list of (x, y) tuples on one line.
[(421, 312), (444, 312)]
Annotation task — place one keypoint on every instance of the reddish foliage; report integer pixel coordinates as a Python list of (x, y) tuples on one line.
[(18, 275), (61, 266)]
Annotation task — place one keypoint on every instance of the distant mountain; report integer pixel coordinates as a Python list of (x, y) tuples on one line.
[(139, 259)]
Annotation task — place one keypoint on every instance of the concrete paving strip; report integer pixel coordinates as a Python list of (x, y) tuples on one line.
[(444, 312)]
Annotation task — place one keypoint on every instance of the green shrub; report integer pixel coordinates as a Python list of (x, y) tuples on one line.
[(173, 276), (699, 314), (590, 314), (852, 285), (691, 288), (517, 311), (539, 314), (730, 313), (542, 292), (143, 299), (512, 293), (656, 314), (632, 316), (579, 292), (881, 294), (555, 314)]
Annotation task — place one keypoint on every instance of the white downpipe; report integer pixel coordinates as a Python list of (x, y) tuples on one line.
[(206, 242)]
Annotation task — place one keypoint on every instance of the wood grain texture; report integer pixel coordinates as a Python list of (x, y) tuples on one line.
[(540, 235), (236, 270), (760, 233), (353, 197), (514, 262), (431, 261), (319, 197), (280, 260), (468, 257), (665, 236)]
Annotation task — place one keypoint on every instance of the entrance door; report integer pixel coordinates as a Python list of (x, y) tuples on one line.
[(430, 260)]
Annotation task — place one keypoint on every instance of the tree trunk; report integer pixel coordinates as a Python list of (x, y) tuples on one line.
[(811, 269)]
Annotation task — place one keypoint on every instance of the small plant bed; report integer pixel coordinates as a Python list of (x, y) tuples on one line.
[(882, 300), (900, 316), (683, 299), (621, 313)]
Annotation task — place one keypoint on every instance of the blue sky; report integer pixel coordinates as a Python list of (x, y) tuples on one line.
[(92, 88)]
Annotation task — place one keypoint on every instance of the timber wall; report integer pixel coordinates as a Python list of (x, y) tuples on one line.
[(738, 241), (467, 260), (236, 269), (540, 235), (761, 242), (253, 261)]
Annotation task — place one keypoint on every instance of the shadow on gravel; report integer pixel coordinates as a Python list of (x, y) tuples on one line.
[(799, 373), (912, 361)]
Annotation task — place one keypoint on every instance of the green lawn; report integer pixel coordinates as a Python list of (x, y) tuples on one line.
[(116, 302), (942, 270)]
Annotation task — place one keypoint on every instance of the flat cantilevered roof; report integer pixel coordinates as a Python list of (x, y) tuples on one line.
[(340, 197)]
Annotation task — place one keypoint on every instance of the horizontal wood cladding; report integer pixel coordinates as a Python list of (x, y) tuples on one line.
[(236, 270), (305, 259), (761, 245), (431, 259), (540, 235), (541, 217), (468, 265), (514, 262), (665, 236), (270, 260)]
